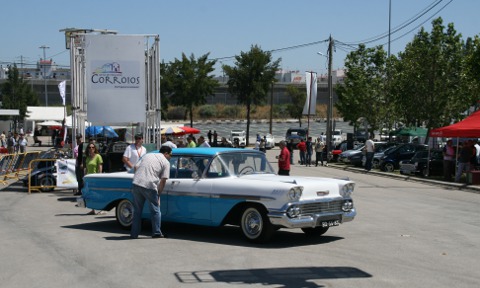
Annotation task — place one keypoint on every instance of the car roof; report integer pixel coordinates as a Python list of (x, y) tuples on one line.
[(209, 151)]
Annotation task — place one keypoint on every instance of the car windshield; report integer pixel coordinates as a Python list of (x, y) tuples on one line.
[(238, 164), (223, 165)]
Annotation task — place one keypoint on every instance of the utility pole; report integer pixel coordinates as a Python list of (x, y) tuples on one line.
[(44, 72), (330, 95), (271, 110)]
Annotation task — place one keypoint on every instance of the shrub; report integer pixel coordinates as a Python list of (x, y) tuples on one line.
[(207, 111)]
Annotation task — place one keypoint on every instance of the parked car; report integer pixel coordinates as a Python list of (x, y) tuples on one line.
[(296, 134), (391, 161), (220, 186), (238, 138), (345, 156), (360, 159), (355, 154), (424, 163), (379, 155)]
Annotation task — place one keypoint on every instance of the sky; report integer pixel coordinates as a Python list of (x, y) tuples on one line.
[(225, 28)]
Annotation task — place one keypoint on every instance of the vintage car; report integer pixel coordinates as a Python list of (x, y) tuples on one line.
[(270, 141), (238, 138), (220, 186)]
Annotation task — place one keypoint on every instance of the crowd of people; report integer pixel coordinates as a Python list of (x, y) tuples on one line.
[(466, 157), (14, 142)]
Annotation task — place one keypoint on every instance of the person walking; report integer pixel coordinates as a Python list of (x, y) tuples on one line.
[(93, 164), (133, 152), (151, 174), (370, 151), (283, 159), (319, 145)]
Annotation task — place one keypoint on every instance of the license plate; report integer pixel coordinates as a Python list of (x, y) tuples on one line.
[(329, 223)]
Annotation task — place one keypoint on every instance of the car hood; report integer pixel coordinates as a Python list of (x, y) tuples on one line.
[(350, 152), (313, 187)]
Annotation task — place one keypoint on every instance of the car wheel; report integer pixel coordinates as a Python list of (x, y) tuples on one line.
[(124, 213), (317, 231), (375, 163), (47, 180), (256, 226), (389, 167)]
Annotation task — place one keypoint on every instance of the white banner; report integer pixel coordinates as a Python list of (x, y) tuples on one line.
[(61, 89), (310, 107), (115, 67), (66, 173)]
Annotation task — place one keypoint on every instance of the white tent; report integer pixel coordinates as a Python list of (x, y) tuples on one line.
[(45, 113), (50, 123), (37, 113)]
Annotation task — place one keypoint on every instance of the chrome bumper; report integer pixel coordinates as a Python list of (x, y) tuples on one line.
[(309, 221)]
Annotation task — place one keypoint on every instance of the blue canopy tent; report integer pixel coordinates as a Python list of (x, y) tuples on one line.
[(100, 131)]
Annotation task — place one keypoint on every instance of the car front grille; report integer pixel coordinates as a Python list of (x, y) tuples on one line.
[(322, 207)]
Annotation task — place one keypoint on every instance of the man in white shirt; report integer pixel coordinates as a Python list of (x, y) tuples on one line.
[(133, 152), (202, 143), (370, 149), (169, 143)]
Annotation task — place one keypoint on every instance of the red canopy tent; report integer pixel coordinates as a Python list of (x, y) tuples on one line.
[(467, 128)]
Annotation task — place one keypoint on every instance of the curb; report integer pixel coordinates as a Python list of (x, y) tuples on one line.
[(452, 185)]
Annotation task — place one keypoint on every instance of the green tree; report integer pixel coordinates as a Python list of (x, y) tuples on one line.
[(251, 77), (472, 67), (166, 87), (428, 86), (363, 94), (16, 93), (190, 82), (295, 109)]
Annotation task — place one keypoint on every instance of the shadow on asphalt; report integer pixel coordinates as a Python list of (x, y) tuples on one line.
[(284, 276), (226, 235)]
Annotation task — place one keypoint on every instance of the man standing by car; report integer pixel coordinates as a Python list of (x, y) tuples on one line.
[(283, 159), (133, 152), (370, 149), (151, 174), (319, 145)]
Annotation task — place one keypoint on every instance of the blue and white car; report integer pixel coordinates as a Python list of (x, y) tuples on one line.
[(219, 186)]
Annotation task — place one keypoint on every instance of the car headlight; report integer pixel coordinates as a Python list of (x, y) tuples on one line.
[(347, 190), (295, 193), (293, 211), (347, 206)]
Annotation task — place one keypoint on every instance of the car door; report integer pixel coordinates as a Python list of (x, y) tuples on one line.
[(188, 195)]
